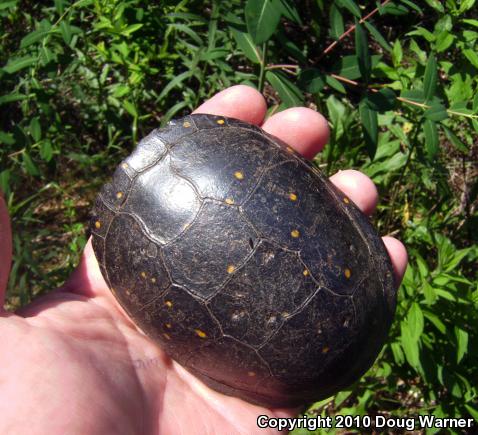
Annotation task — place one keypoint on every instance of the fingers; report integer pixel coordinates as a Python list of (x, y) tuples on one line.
[(359, 188), (362, 191), (5, 249), (87, 279), (241, 102), (306, 130), (398, 255)]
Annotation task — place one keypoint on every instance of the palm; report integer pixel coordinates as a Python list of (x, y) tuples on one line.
[(85, 369), (73, 362)]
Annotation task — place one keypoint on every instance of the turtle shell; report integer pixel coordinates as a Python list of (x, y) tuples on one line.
[(243, 262)]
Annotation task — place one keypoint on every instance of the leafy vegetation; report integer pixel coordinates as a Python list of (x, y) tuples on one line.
[(82, 81)]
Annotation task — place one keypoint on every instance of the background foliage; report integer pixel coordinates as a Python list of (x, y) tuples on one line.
[(82, 81)]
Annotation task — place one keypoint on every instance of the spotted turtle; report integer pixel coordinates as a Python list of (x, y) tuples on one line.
[(243, 262)]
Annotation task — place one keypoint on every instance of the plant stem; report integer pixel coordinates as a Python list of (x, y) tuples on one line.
[(350, 30), (262, 72), (398, 183)]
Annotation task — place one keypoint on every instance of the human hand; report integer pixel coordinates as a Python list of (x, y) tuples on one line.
[(73, 363)]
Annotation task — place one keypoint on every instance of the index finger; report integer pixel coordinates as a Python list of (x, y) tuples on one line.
[(240, 102)]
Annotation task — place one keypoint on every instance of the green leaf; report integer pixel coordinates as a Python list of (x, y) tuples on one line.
[(462, 343), (466, 5), (397, 53), (131, 29), (369, 120), (378, 36), (415, 321), (424, 33), (431, 138), (312, 80), (262, 18), (336, 22), (430, 78), (291, 48), (19, 63), (416, 96), (351, 6), (393, 9), (397, 353), (289, 11), (429, 292), (457, 143), (66, 32), (6, 138), (5, 181), (437, 112), (33, 37), (130, 108), (173, 83), (29, 166), (381, 101), (363, 55), (460, 108), (410, 346), (471, 22), (46, 151), (471, 55), (35, 129), (435, 4), (348, 66), (444, 41), (412, 5), (473, 412), (289, 93), (6, 4), (435, 320), (11, 98), (335, 84), (246, 44)]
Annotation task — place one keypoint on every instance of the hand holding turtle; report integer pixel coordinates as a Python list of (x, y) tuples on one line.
[(74, 363)]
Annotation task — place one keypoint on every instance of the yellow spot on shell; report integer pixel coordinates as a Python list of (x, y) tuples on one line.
[(220, 121), (167, 336), (305, 272), (347, 273), (230, 268), (169, 304), (346, 200), (239, 175), (325, 349), (293, 197), (119, 195), (295, 233), (153, 280), (97, 225), (229, 201), (289, 149), (251, 374), (124, 165), (168, 325), (186, 124), (143, 274), (200, 334)]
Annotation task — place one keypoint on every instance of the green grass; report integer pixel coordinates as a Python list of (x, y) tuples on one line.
[(83, 81)]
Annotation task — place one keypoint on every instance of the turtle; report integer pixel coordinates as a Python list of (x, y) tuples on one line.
[(243, 262)]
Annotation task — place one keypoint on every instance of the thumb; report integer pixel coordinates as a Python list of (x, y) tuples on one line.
[(5, 249)]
